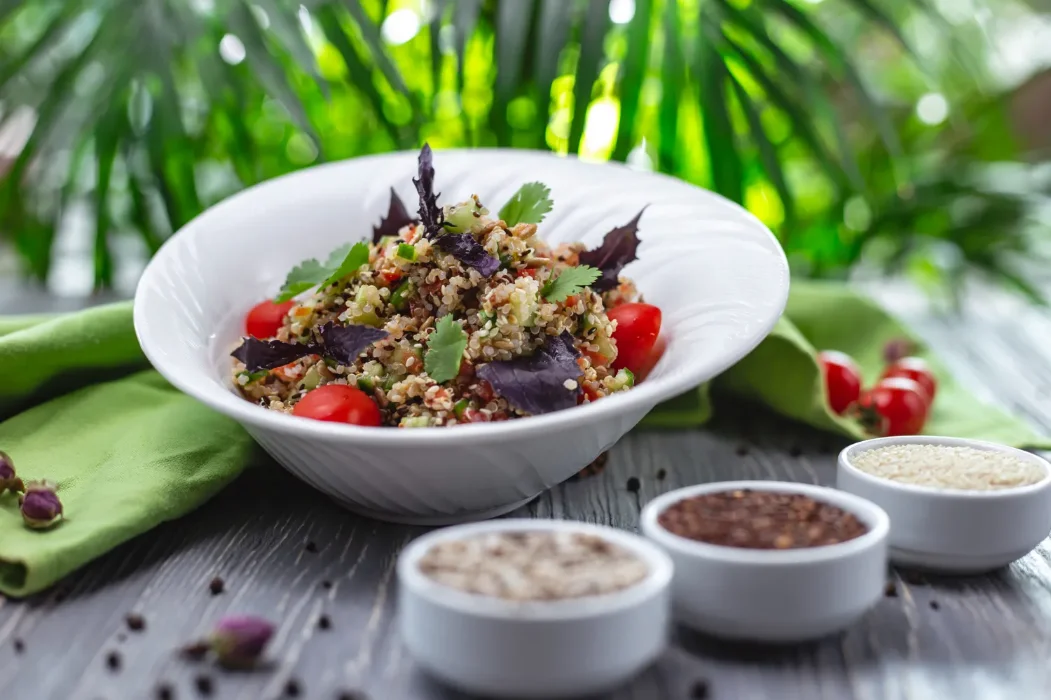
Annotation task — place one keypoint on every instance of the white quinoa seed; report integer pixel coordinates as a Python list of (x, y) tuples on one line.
[(949, 467)]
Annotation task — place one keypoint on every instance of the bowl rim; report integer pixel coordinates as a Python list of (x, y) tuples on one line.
[(643, 396), (414, 582), (933, 492), (870, 513)]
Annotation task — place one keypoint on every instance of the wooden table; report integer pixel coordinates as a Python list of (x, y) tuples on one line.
[(326, 577)]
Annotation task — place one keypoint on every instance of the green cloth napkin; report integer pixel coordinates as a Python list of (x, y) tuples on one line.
[(129, 451), (783, 373)]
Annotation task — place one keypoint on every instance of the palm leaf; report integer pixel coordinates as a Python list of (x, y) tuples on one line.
[(360, 75), (762, 110), (510, 57), (724, 161), (801, 119), (767, 151), (592, 50), (371, 35), (551, 37), (631, 77), (270, 71), (673, 76)]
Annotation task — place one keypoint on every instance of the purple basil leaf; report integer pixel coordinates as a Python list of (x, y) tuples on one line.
[(396, 219), (536, 384), (268, 354), (344, 343), (467, 250), (618, 248), (431, 214)]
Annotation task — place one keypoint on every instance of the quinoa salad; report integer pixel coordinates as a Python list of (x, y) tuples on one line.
[(455, 315)]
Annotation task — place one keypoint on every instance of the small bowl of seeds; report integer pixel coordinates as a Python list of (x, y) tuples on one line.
[(533, 608), (770, 561), (956, 505)]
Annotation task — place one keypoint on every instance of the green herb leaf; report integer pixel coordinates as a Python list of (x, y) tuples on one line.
[(310, 273), (445, 350), (571, 281), (354, 258), (528, 205), (303, 276)]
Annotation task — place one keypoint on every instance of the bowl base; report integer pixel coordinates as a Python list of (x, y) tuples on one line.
[(436, 520), (796, 632), (951, 563)]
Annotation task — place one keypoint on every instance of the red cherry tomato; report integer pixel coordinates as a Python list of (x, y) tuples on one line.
[(339, 403), (916, 369), (842, 379), (266, 317), (895, 406), (651, 360), (638, 326)]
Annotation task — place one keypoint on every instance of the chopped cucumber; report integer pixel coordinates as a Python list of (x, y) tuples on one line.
[(415, 422), (366, 385), (461, 407), (464, 217), (367, 295), (311, 379)]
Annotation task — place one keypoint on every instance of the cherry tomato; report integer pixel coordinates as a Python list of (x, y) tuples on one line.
[(842, 379), (638, 326), (339, 403), (895, 406), (917, 370), (266, 317), (651, 360)]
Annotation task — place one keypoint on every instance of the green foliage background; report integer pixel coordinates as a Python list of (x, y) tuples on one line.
[(805, 113)]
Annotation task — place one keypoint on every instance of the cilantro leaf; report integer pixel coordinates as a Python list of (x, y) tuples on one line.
[(528, 205), (569, 282), (302, 277), (354, 258), (445, 350), (310, 273)]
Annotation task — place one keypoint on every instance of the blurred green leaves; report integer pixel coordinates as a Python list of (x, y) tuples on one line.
[(147, 112)]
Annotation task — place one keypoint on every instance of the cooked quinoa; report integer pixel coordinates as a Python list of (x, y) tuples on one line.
[(408, 285)]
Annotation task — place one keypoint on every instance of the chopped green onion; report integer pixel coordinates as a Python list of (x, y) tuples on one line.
[(406, 252), (398, 299)]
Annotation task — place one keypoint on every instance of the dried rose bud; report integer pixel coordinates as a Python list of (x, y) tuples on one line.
[(9, 481), (238, 641), (40, 505)]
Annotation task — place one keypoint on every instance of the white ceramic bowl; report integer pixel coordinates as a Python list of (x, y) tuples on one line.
[(718, 275), (953, 531), (542, 649), (774, 595)]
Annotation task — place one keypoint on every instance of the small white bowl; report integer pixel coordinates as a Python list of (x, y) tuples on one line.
[(774, 595), (535, 649), (953, 530)]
